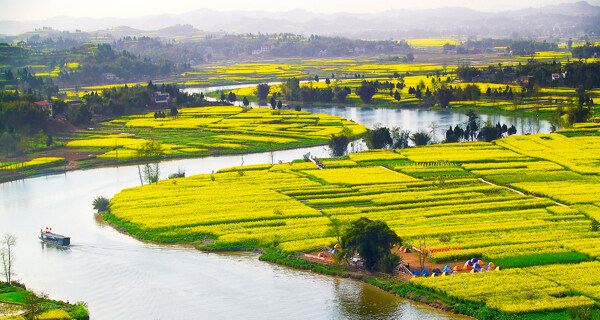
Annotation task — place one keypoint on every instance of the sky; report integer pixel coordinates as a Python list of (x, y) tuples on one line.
[(22, 10)]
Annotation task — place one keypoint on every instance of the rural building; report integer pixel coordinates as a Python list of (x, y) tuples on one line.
[(45, 105), (161, 97)]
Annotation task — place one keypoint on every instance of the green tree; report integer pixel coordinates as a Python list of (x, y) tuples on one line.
[(101, 204), (373, 241), (231, 97), (149, 154), (341, 93), (246, 102), (397, 96), (273, 103), (443, 96), (262, 91), (379, 138), (400, 138), (338, 145), (420, 138), (366, 91)]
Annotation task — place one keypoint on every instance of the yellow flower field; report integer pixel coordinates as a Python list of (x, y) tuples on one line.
[(432, 193)]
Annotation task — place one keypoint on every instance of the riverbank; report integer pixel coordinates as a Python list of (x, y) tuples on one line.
[(17, 303)]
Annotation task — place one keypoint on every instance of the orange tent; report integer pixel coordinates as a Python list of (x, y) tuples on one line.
[(457, 268)]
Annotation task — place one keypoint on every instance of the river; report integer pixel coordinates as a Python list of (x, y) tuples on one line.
[(123, 278), (410, 119)]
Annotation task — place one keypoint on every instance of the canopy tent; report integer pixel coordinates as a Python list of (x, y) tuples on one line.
[(468, 267), (446, 268), (457, 268), (491, 265), (498, 268), (436, 270), (424, 272), (416, 273)]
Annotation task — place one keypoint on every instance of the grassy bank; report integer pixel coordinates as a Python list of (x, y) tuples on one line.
[(28, 305)]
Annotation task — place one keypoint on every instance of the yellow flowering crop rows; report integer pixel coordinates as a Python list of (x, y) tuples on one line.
[(42, 161), (217, 128), (291, 205), (357, 176), (514, 291)]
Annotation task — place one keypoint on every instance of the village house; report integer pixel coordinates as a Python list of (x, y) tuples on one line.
[(45, 105)]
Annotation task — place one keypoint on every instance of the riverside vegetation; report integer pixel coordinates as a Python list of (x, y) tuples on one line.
[(24, 304), (547, 236)]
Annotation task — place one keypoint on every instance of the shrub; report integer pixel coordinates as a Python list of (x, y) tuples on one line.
[(101, 204)]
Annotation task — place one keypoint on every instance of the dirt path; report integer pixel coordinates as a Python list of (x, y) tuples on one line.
[(519, 192)]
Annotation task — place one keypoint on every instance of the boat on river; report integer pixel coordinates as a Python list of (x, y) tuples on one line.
[(49, 237)]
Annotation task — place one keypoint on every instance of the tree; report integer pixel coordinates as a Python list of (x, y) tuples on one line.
[(490, 132), (149, 154), (316, 78), (443, 96), (246, 102), (279, 104), (262, 91), (410, 57), (379, 138), (8, 256), (231, 97), (173, 112), (400, 138), (222, 96), (418, 93), (327, 81), (366, 91), (273, 103), (372, 240), (338, 145), (397, 96), (101, 204), (341, 93), (335, 228), (420, 138)]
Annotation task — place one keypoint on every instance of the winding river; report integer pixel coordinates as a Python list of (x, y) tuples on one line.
[(123, 278)]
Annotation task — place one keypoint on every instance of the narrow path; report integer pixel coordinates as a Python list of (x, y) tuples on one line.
[(519, 192)]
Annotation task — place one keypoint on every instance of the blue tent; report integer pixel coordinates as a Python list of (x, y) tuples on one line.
[(446, 268), (469, 263), (416, 273), (474, 260), (424, 273)]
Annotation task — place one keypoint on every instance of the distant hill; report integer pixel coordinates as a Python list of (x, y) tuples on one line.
[(553, 20)]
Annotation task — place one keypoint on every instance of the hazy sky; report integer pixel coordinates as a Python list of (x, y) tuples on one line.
[(41, 9)]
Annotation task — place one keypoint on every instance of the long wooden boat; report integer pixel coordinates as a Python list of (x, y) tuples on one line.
[(54, 238)]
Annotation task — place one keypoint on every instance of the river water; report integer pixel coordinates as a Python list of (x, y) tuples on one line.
[(123, 278), (414, 120)]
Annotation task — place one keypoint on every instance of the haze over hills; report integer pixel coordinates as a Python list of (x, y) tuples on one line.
[(570, 19)]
